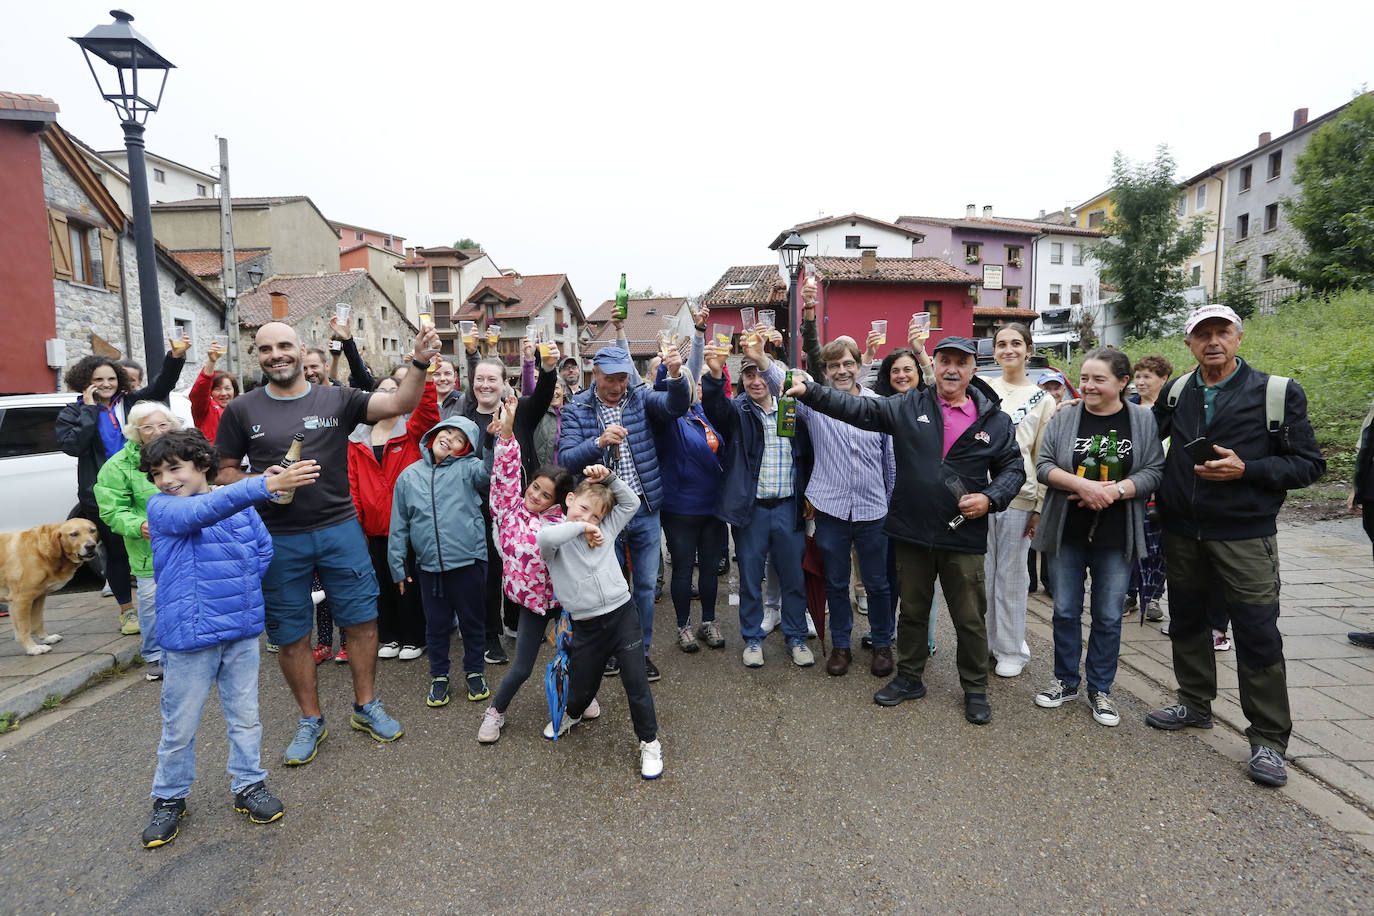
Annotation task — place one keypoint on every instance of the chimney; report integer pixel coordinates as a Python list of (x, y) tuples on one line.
[(868, 263), (987, 212), (410, 254), (971, 211), (1265, 137), (1042, 215), (278, 306), (1299, 117)]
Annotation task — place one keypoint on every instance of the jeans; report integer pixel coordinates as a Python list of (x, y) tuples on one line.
[(1111, 571), (147, 618), (529, 635), (692, 538), (454, 592), (772, 533), (186, 681), (596, 639), (643, 538), (834, 537)]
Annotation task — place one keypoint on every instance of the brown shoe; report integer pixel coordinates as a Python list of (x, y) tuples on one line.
[(881, 665), (838, 663)]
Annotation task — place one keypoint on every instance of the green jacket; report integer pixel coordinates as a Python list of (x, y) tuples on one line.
[(121, 493)]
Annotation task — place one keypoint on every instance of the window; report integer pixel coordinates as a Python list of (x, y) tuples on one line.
[(1075, 295), (28, 431), (1243, 226), (388, 242), (81, 253), (1266, 267), (1013, 297), (443, 314), (1077, 255), (1014, 257), (159, 176), (973, 252), (357, 236), (1275, 164), (438, 279), (1246, 173), (851, 241), (1096, 218), (1183, 205), (1056, 252), (1271, 217), (201, 190), (1243, 268), (360, 324), (1200, 197), (934, 306), (558, 321), (384, 313), (740, 286), (1196, 275), (1055, 289)]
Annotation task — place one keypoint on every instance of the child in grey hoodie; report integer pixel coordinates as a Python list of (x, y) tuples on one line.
[(580, 556)]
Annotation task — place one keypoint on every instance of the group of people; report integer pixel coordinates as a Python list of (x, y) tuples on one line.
[(420, 509)]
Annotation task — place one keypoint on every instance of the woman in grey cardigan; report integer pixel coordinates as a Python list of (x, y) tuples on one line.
[(1094, 522)]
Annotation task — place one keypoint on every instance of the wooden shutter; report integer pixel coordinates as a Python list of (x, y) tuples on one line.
[(109, 259), (61, 243)]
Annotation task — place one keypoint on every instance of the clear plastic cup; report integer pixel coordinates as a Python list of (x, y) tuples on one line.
[(469, 331), (222, 340), (342, 311), (880, 327), (493, 333), (748, 318), (921, 323), (767, 317), (721, 334)]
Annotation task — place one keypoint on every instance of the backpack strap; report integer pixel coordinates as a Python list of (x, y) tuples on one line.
[(1275, 392), (1176, 388)]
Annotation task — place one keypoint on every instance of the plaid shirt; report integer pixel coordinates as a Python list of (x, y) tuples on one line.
[(775, 471), (620, 459)]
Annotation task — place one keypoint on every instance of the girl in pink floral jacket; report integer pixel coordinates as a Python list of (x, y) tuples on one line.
[(526, 580)]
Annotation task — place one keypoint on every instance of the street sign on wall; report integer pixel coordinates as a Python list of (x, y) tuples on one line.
[(992, 276)]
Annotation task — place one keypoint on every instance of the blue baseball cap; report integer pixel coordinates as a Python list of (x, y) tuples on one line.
[(1052, 375), (611, 360)]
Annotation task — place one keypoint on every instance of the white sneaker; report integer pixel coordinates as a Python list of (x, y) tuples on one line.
[(753, 655), (568, 722), (389, 650), (410, 653), (1009, 669), (593, 710), (650, 759), (802, 657), (1104, 710), (861, 604), (772, 617), (107, 592), (810, 627), (316, 597), (490, 729)]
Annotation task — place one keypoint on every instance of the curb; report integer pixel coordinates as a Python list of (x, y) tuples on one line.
[(66, 681)]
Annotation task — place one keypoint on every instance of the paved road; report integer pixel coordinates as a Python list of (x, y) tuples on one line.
[(783, 788)]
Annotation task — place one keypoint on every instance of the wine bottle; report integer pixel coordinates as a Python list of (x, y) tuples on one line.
[(293, 454), (622, 301), (787, 409), (1111, 460)]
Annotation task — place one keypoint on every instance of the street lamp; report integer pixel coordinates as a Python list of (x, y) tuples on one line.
[(255, 276), (132, 57), (791, 259)]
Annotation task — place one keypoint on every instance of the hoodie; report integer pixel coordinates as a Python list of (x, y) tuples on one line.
[(588, 579)]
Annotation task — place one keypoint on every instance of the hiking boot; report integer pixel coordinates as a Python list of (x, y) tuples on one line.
[(164, 824), (1266, 766), (976, 708), (650, 759), (153, 671), (477, 687), (651, 671), (128, 622), (302, 749), (753, 654), (1172, 718), (709, 633), (438, 692), (496, 653), (881, 665), (1056, 695), (1104, 710), (1153, 611), (686, 641), (258, 802), (900, 689), (489, 732), (838, 663), (323, 653), (373, 719)]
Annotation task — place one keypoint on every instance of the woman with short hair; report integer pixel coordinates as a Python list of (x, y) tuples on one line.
[(1147, 576)]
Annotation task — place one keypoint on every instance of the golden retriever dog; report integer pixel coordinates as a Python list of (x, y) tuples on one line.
[(36, 562)]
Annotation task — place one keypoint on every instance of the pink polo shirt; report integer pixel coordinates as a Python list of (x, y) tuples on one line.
[(958, 418)]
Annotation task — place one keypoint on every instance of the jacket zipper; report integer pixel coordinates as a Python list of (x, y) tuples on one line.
[(434, 515)]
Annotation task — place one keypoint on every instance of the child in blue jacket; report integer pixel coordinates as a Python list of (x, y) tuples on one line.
[(210, 550)]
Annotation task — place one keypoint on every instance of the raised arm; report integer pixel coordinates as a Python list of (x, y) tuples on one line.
[(407, 396), (185, 515), (877, 414)]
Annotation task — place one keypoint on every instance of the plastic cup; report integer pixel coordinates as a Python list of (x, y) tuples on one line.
[(341, 311), (721, 334), (881, 328), (493, 333), (748, 318), (336, 345), (469, 330), (921, 322), (767, 317), (222, 340)]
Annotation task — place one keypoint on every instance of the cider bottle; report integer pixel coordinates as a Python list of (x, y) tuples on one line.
[(787, 409), (622, 301), (293, 454)]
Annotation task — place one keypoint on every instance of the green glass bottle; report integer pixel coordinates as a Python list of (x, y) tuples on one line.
[(787, 409), (1089, 466), (1111, 459), (622, 301)]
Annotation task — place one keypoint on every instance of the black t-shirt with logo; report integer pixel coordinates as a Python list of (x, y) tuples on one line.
[(261, 427), (1110, 523)]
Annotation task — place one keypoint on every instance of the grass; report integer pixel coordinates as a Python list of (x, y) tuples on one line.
[(52, 701), (8, 722)]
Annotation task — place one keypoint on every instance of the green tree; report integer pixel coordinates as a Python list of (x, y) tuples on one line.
[(649, 292), (1334, 212), (467, 243), (1238, 290), (1143, 258)]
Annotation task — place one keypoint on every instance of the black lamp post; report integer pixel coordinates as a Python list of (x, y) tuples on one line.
[(131, 57), (791, 258), (255, 276)]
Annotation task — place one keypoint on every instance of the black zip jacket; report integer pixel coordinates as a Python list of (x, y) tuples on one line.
[(985, 459), (1232, 510)]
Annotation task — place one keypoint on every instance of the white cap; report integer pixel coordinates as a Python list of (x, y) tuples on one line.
[(1205, 312)]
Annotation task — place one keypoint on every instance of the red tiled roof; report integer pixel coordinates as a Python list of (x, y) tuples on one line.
[(891, 270), (521, 296), (23, 106), (643, 321), (801, 228), (205, 262), (766, 287), (306, 295)]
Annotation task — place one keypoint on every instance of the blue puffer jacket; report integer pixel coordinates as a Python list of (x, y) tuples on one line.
[(209, 556), (438, 507), (577, 446), (690, 471)]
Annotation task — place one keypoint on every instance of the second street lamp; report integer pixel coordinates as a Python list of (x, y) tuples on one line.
[(791, 258)]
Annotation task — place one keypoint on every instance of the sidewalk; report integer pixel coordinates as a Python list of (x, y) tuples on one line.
[(1328, 591)]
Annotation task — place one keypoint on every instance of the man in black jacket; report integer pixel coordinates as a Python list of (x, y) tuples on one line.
[(1219, 517), (938, 516)]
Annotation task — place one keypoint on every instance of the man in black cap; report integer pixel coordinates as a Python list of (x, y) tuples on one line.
[(957, 461), (572, 374)]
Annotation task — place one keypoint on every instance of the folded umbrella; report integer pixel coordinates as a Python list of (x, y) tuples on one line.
[(813, 572)]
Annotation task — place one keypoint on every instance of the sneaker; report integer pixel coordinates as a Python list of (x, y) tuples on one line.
[(810, 627), (489, 732), (153, 671), (128, 622), (651, 670), (438, 692), (900, 689), (1056, 695), (861, 604), (389, 650), (866, 640), (373, 719), (977, 710), (477, 687), (496, 653), (772, 619), (709, 633), (324, 653), (753, 654), (302, 749), (1363, 640), (568, 723), (164, 824), (107, 592), (1153, 611), (509, 633), (650, 759), (1266, 766), (593, 711), (1129, 606), (686, 641), (802, 656), (273, 648), (316, 597), (1104, 710), (1172, 718), (410, 653), (1220, 641), (612, 668), (258, 802), (1164, 628), (341, 657), (1009, 669)]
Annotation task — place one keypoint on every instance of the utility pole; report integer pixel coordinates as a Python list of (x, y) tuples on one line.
[(228, 274)]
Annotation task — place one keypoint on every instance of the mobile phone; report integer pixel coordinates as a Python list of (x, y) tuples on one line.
[(1200, 450)]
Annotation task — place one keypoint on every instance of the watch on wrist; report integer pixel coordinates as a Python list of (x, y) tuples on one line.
[(419, 364), (1121, 489)]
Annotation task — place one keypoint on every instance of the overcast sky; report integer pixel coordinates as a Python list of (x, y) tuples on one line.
[(671, 141)]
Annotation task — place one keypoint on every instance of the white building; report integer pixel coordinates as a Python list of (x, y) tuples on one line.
[(849, 237), (447, 275), (167, 180)]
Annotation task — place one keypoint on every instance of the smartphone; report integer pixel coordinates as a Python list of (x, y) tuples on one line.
[(1200, 450)]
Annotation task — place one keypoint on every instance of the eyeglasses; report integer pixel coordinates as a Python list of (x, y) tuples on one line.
[(155, 427)]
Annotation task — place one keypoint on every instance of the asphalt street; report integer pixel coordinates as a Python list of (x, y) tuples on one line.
[(783, 788)]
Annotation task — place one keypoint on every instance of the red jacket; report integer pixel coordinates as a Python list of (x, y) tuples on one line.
[(205, 410), (372, 484)]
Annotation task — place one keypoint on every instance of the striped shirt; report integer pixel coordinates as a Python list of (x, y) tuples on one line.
[(621, 459), (775, 472)]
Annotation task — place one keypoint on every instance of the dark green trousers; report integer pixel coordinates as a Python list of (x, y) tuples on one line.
[(1245, 576), (961, 578)]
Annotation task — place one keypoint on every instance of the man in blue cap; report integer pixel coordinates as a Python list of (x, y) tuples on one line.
[(609, 424)]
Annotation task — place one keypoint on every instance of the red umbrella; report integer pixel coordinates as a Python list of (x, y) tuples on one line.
[(813, 571)]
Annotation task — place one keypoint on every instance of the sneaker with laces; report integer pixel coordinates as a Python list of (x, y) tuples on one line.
[(389, 650), (1129, 606), (302, 749), (496, 653), (1056, 695), (410, 653), (128, 622), (650, 759), (753, 654), (1104, 710), (1220, 641), (593, 711), (1266, 766), (258, 802), (810, 627), (164, 824), (477, 687), (153, 671), (1172, 718), (323, 653), (772, 619), (489, 732), (802, 656), (563, 728), (686, 640), (374, 720), (651, 671), (709, 633), (861, 605), (341, 657), (1153, 611), (438, 692), (612, 668), (273, 648)]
